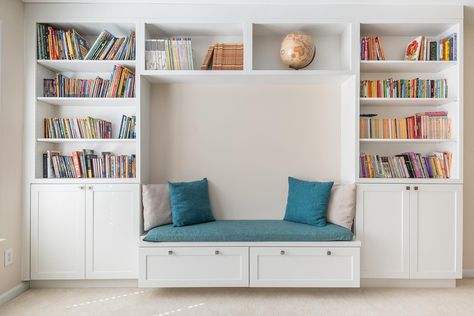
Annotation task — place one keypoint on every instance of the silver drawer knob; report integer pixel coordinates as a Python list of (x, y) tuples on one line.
[(282, 252), (217, 252), (329, 252), (170, 252)]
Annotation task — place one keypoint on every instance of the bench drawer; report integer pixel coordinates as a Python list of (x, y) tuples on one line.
[(194, 267), (304, 267)]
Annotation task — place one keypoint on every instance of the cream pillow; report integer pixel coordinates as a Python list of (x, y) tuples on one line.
[(342, 205), (156, 205)]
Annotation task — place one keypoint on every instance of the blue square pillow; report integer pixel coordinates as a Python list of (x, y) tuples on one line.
[(307, 202), (190, 203)]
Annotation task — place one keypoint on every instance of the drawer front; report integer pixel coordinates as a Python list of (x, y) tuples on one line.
[(194, 267), (304, 267)]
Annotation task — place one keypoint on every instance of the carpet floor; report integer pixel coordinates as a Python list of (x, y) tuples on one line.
[(244, 301)]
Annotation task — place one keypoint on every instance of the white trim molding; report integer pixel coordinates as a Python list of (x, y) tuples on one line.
[(14, 292), (468, 273)]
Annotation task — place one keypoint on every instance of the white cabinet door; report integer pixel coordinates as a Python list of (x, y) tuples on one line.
[(436, 231), (382, 225), (57, 232), (112, 231)]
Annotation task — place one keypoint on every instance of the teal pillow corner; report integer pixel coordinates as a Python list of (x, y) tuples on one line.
[(190, 203), (307, 201)]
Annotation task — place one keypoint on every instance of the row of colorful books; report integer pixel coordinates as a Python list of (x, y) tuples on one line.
[(55, 43), (404, 88), (427, 125), (109, 47), (66, 128), (371, 48), (424, 48), (406, 165), (87, 164), (224, 57), (127, 127), (174, 53), (120, 85)]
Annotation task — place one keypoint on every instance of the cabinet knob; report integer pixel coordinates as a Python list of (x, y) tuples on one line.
[(90, 187), (81, 187), (217, 252), (416, 188), (170, 252), (408, 187), (282, 252), (329, 252)]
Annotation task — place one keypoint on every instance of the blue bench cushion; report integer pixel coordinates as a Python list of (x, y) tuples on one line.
[(249, 230)]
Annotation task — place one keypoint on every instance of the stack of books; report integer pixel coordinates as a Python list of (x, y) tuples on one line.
[(174, 53), (87, 164), (427, 125), (371, 48), (55, 43), (224, 57), (404, 88), (121, 85), (127, 127), (109, 47), (406, 165), (66, 128), (423, 48)]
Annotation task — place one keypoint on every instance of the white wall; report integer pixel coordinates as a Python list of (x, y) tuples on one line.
[(11, 128), (247, 139)]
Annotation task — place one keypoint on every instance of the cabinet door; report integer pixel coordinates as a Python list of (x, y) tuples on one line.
[(112, 231), (436, 232), (57, 232), (382, 225)]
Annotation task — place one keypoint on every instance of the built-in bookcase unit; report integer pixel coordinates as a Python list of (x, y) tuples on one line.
[(332, 41), (107, 108), (395, 38)]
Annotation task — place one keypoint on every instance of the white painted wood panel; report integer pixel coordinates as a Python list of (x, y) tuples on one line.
[(304, 267), (382, 226), (194, 267), (57, 232), (112, 231), (436, 232)]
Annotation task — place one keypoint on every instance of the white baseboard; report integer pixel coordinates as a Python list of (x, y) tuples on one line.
[(83, 283), (13, 292), (468, 273), (451, 283)]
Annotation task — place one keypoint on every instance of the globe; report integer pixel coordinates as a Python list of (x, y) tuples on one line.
[(297, 50)]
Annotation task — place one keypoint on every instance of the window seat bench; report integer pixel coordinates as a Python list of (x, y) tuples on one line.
[(249, 253)]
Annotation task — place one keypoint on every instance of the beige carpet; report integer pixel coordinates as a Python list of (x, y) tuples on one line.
[(186, 302)]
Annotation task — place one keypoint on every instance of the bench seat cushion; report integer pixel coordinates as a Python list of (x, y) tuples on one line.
[(249, 230)]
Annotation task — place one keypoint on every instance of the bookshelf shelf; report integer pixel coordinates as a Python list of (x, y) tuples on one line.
[(419, 141), (85, 140), (85, 65), (84, 180), (112, 102), (407, 181), (403, 66), (405, 101)]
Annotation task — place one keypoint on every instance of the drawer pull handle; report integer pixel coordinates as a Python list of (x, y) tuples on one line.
[(282, 252), (217, 252), (170, 252), (408, 188), (416, 188), (329, 252)]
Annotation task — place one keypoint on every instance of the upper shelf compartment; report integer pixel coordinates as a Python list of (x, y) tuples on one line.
[(332, 41), (202, 36)]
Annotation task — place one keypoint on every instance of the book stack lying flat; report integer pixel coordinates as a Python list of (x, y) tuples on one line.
[(127, 127), (406, 165), (404, 88), (224, 57), (109, 47), (174, 53), (423, 48), (53, 43), (121, 84), (87, 164), (427, 125), (77, 128), (371, 48)]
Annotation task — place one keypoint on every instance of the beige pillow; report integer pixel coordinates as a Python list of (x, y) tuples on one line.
[(342, 205), (156, 205)]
